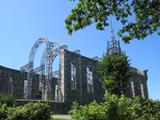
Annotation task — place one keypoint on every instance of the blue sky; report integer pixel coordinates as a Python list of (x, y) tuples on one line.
[(22, 22)]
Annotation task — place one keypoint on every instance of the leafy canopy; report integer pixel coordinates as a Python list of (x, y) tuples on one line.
[(146, 13), (114, 72)]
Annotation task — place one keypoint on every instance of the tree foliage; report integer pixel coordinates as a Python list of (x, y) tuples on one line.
[(117, 108), (30, 111), (145, 12), (7, 99), (114, 73)]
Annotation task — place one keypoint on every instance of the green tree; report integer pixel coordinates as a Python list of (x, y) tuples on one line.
[(145, 12), (113, 70)]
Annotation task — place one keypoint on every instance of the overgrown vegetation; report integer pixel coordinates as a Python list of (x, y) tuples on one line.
[(117, 108), (7, 99), (114, 73), (30, 111)]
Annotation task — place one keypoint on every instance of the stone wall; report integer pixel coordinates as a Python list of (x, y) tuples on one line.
[(80, 95), (12, 81), (139, 79)]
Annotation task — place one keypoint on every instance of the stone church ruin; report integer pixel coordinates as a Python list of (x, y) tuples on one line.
[(75, 80)]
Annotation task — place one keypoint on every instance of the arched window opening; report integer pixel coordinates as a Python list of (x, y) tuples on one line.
[(73, 77), (10, 85), (142, 90), (89, 80), (132, 88), (56, 93), (25, 88)]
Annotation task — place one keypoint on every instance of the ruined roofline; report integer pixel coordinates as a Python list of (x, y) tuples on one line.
[(139, 72), (8, 68), (74, 52), (133, 69)]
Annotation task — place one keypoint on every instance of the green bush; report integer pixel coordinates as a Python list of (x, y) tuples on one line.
[(92, 111), (7, 99), (117, 108), (121, 107), (3, 111), (150, 110), (30, 111)]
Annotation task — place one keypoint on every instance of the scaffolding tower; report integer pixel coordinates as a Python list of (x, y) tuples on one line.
[(113, 46)]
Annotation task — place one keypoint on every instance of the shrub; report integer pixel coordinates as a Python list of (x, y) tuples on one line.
[(7, 99), (93, 111), (30, 111), (3, 111), (37, 111), (150, 110), (121, 107), (117, 108)]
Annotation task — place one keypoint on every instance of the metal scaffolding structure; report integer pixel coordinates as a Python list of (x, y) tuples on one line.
[(44, 70), (113, 46)]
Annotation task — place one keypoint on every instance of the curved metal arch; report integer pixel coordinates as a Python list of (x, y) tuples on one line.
[(30, 66), (53, 49), (45, 69), (35, 47)]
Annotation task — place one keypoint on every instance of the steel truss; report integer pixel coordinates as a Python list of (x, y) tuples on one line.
[(50, 52)]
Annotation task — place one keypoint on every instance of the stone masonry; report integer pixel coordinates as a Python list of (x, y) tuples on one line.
[(137, 85), (78, 81)]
